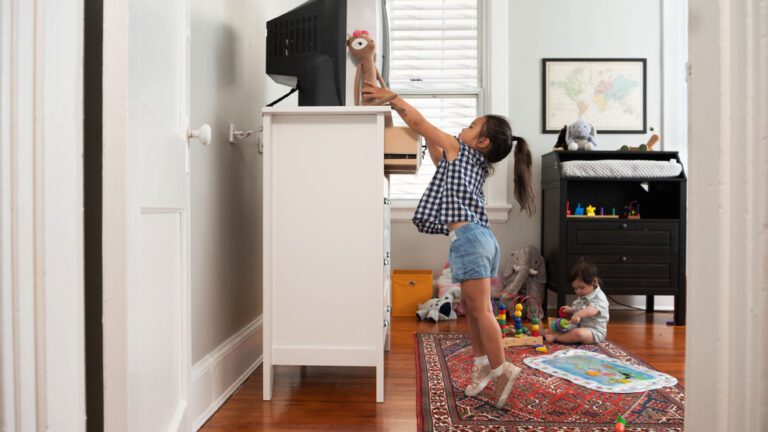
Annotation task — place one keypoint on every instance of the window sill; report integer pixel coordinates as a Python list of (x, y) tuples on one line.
[(402, 211)]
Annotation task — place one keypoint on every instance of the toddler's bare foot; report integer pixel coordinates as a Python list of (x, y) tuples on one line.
[(551, 337)]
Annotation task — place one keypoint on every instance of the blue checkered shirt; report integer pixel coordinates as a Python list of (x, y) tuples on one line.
[(455, 193)]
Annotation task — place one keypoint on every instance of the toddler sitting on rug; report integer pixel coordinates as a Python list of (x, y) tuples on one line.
[(589, 311)]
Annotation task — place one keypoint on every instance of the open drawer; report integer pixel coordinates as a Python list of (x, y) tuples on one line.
[(402, 150)]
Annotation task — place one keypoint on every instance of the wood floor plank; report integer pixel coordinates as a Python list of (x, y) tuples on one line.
[(343, 399)]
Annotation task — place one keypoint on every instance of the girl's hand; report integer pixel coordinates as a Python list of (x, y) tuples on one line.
[(567, 310), (377, 95), (576, 319)]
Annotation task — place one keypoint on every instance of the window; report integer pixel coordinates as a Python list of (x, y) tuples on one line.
[(434, 67)]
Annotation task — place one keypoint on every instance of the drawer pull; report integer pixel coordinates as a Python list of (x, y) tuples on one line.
[(623, 259), (412, 283), (386, 323), (386, 262), (623, 226), (389, 308)]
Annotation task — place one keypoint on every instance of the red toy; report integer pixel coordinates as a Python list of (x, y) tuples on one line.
[(620, 425)]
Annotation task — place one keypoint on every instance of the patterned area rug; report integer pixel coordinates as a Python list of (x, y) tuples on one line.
[(539, 401)]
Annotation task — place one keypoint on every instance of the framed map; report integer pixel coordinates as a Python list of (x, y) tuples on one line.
[(608, 93)]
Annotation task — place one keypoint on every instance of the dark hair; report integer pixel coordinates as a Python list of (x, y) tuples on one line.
[(499, 133), (585, 271)]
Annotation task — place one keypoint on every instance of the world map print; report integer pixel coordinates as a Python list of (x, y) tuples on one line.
[(607, 94)]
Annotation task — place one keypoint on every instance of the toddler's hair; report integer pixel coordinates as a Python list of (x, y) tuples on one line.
[(585, 271)]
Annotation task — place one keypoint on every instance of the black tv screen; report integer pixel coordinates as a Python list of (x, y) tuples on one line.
[(306, 49)]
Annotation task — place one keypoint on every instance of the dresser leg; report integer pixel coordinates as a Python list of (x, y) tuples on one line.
[(649, 303), (268, 379), (380, 381)]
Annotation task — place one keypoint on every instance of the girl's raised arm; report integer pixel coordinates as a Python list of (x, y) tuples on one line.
[(436, 139)]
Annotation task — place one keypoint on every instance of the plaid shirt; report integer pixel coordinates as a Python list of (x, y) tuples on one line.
[(454, 194)]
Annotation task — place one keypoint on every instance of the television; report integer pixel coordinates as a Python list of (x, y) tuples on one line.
[(306, 51)]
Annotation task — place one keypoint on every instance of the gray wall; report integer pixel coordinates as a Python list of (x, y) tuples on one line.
[(229, 85), (542, 29)]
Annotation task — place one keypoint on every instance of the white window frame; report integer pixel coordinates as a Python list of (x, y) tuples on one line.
[(494, 72)]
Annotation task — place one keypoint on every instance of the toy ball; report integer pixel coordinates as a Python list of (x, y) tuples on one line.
[(561, 312), (518, 307), (502, 307), (518, 314), (535, 327), (620, 425)]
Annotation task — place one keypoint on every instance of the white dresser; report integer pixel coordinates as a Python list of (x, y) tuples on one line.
[(326, 239)]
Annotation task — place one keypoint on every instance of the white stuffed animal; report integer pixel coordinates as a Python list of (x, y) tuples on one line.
[(580, 136), (436, 309)]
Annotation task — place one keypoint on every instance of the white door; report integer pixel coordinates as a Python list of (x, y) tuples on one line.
[(146, 221)]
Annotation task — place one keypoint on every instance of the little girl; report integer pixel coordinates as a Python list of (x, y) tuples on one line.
[(454, 205), (589, 311)]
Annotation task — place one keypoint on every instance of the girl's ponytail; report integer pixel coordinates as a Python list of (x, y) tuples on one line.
[(522, 175)]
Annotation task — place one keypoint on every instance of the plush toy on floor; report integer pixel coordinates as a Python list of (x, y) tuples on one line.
[(436, 309)]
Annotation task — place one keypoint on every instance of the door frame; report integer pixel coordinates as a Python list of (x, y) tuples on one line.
[(121, 180), (41, 216)]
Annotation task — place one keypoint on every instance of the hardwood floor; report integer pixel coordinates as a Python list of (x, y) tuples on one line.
[(342, 399)]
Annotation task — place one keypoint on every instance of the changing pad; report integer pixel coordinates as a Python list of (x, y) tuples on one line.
[(615, 168)]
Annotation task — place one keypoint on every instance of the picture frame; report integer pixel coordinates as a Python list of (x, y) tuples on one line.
[(609, 93)]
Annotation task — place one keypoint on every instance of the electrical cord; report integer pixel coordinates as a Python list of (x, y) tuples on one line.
[(625, 305)]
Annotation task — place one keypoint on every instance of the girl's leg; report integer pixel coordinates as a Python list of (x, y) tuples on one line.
[(476, 294), (478, 350), (578, 335)]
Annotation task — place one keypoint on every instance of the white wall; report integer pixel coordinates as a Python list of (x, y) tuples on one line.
[(555, 28), (229, 85)]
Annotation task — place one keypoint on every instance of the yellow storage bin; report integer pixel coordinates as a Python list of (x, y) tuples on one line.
[(409, 288)]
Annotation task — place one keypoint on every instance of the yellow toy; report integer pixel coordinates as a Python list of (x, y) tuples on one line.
[(590, 210)]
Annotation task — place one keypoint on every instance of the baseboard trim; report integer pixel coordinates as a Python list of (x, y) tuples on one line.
[(220, 373)]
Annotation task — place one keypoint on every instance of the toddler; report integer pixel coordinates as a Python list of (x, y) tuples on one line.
[(589, 311)]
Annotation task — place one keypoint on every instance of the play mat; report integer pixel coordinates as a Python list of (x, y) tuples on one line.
[(599, 372)]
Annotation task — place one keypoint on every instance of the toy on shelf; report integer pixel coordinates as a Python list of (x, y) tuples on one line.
[(590, 210), (632, 210), (567, 208), (648, 146), (580, 136), (579, 210)]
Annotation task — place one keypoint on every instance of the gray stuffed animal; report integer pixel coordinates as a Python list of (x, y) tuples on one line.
[(525, 273), (580, 136)]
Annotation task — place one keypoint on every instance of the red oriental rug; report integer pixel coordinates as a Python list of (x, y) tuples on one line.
[(539, 401)]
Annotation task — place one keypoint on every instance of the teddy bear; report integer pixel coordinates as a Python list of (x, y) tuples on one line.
[(362, 48), (580, 136), (436, 309)]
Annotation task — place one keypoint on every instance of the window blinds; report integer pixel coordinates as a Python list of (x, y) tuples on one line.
[(435, 67), (433, 45)]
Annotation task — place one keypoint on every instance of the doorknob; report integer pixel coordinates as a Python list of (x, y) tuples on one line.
[(203, 134)]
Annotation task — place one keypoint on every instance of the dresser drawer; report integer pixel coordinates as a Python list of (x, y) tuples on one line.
[(634, 274), (624, 237)]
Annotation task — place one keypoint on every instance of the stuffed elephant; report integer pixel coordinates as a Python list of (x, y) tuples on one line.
[(525, 273), (580, 136)]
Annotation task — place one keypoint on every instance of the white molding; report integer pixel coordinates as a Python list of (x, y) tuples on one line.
[(726, 348), (226, 367), (674, 57), (41, 225), (495, 98), (402, 211)]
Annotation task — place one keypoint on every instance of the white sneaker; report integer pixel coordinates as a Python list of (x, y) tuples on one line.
[(504, 383), (480, 378)]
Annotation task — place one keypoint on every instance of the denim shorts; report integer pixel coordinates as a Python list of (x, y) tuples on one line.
[(474, 253)]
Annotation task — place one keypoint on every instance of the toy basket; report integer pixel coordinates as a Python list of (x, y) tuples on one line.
[(409, 289)]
